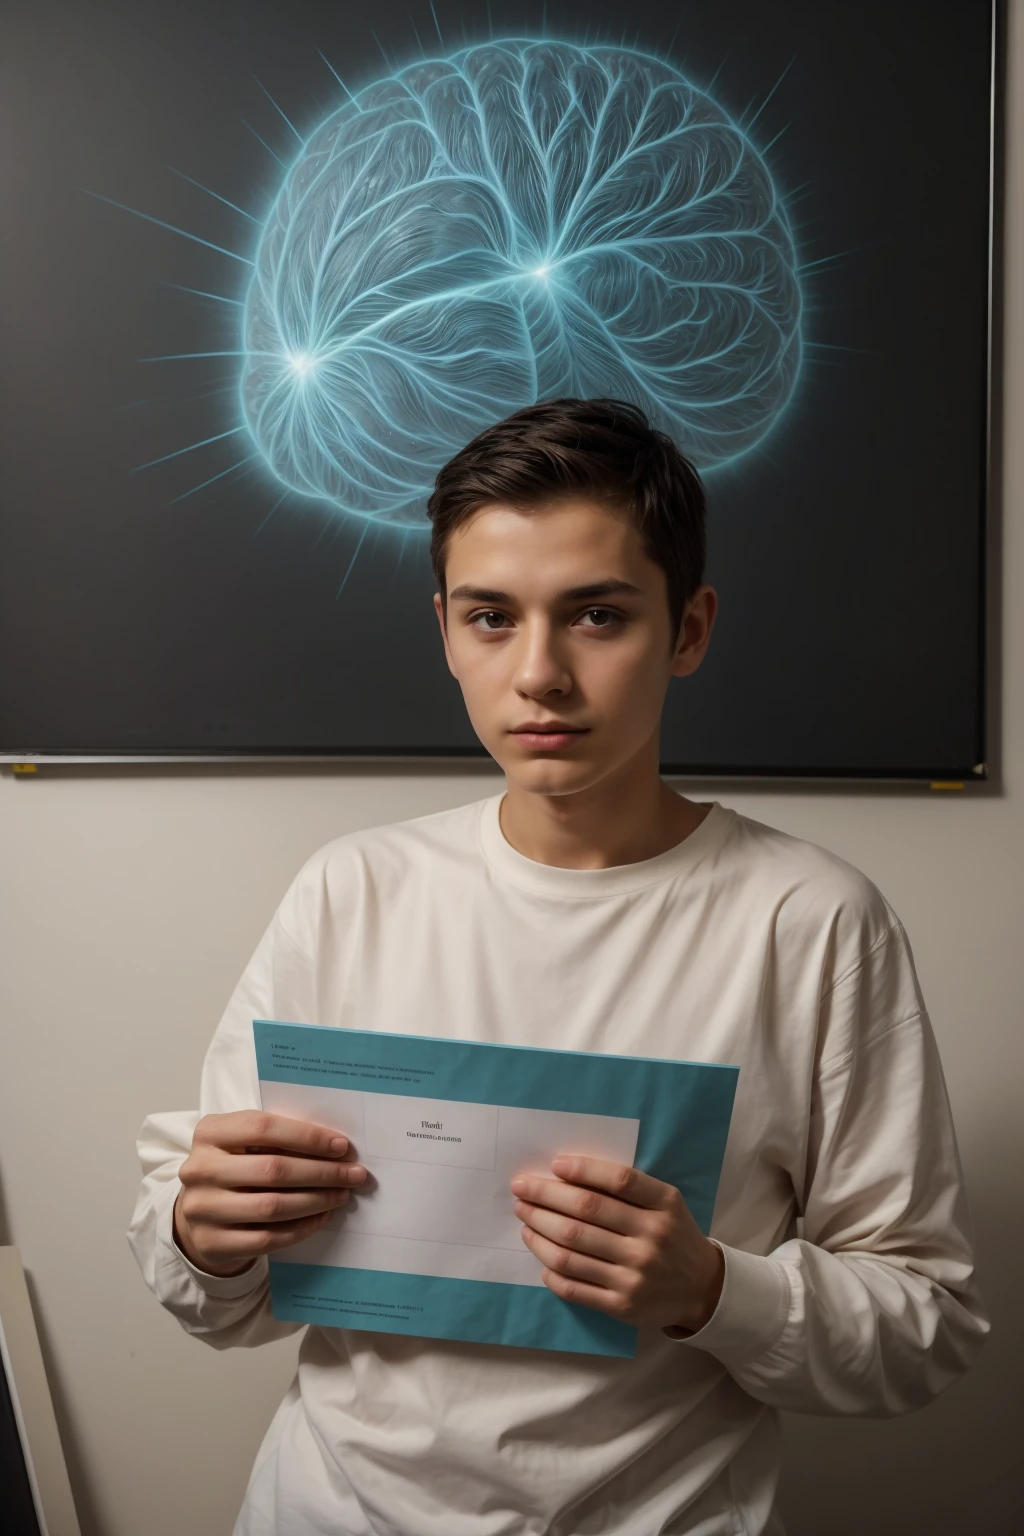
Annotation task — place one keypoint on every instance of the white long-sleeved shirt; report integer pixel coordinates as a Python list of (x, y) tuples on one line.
[(741, 945)]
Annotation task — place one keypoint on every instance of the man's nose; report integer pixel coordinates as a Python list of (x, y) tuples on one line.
[(540, 662)]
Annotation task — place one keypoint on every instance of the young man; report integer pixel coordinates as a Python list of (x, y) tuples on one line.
[(589, 907)]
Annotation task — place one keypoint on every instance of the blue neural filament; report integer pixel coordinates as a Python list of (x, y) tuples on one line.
[(522, 220)]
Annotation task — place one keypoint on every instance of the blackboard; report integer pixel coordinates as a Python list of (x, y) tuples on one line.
[(171, 586)]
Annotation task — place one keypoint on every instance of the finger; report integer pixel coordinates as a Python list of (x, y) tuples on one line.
[(283, 1237), (577, 1266), (231, 1243), (230, 1208), (259, 1128), (272, 1170), (580, 1236), (616, 1179), (582, 1204), (584, 1294)]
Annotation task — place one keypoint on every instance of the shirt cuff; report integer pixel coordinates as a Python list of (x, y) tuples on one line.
[(227, 1287), (751, 1311)]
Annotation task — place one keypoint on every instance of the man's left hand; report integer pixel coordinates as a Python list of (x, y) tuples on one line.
[(613, 1238)]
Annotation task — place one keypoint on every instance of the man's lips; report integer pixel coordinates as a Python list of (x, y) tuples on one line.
[(549, 737)]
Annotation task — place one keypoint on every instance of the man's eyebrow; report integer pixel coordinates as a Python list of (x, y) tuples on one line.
[(571, 594)]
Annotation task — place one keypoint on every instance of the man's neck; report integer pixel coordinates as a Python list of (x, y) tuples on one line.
[(611, 823)]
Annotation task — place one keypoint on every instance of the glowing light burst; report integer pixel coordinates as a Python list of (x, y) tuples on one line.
[(523, 219)]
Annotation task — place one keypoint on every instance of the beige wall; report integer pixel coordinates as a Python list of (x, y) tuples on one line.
[(130, 902)]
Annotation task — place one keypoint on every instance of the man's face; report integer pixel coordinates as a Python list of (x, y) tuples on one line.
[(556, 614)]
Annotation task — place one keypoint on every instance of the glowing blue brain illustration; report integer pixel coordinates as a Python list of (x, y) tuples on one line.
[(523, 220)]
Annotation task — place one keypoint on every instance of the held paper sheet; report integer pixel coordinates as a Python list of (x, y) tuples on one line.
[(430, 1245)]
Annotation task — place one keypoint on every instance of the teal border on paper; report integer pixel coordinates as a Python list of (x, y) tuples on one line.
[(684, 1109), (431, 1307)]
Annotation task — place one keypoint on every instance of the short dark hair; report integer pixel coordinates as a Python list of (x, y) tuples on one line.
[(604, 447)]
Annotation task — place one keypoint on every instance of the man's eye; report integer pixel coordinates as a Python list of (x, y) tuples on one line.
[(489, 613), (607, 615)]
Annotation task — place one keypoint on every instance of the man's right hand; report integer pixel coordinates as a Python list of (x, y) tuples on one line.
[(255, 1182)]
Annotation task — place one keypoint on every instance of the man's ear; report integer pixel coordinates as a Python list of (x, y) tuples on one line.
[(695, 631), (439, 610)]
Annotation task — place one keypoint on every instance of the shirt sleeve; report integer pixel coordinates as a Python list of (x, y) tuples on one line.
[(874, 1308), (230, 1310)]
